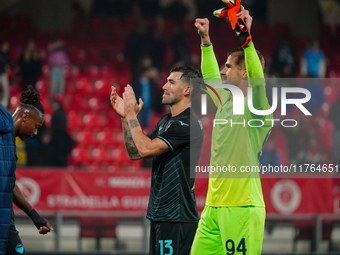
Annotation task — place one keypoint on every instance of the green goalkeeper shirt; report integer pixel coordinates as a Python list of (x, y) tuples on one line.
[(237, 146)]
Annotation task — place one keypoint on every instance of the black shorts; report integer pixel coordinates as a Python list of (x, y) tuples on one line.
[(14, 243), (171, 238)]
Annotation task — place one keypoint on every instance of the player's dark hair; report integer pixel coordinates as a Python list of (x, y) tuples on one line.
[(190, 76), (32, 97), (241, 59)]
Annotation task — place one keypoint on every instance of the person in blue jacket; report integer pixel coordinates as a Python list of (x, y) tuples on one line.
[(24, 123)]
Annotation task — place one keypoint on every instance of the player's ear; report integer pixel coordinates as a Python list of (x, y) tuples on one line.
[(25, 115), (187, 90)]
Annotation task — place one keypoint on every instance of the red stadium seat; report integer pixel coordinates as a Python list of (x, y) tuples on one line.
[(95, 103), (102, 87), (84, 86), (80, 156), (86, 137), (75, 120), (14, 101), (106, 138)]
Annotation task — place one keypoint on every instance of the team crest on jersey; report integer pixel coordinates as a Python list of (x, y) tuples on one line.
[(19, 248)]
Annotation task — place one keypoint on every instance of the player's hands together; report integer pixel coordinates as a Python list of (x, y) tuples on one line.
[(117, 102), (202, 26), (131, 107)]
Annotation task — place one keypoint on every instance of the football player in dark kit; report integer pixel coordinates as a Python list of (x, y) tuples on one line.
[(24, 123), (172, 206)]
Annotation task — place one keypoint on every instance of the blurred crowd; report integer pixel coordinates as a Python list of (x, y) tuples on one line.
[(136, 42)]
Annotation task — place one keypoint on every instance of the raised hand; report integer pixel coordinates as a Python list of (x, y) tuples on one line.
[(244, 14), (202, 26), (131, 107), (117, 102)]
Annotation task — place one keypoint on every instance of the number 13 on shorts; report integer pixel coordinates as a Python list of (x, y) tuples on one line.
[(234, 248), (165, 246)]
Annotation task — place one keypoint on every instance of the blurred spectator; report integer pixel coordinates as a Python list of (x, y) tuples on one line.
[(46, 148), (4, 64), (313, 61), (61, 142), (334, 115), (296, 141), (59, 118), (146, 88), (35, 152), (136, 46), (143, 43), (33, 156), (156, 48), (181, 52), (317, 94), (30, 67), (284, 62), (312, 155), (58, 59), (269, 155)]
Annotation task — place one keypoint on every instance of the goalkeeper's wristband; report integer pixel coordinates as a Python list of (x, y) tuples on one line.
[(38, 221)]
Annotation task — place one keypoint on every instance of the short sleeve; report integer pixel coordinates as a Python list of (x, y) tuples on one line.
[(153, 133), (177, 135)]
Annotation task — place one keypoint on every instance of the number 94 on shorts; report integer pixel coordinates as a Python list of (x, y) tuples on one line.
[(236, 230)]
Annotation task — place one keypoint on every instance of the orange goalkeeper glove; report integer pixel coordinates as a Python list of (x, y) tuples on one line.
[(237, 24)]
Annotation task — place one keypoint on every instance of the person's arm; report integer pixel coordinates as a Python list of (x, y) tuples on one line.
[(118, 105), (137, 144), (146, 146), (256, 78), (130, 145), (19, 200), (254, 69), (209, 65)]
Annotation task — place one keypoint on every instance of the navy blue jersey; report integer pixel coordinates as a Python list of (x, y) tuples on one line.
[(172, 195), (8, 161)]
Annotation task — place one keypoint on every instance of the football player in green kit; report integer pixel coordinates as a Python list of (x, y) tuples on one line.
[(232, 221)]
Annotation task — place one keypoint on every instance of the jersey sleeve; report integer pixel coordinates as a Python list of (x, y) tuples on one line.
[(153, 133), (210, 70), (177, 135), (256, 78)]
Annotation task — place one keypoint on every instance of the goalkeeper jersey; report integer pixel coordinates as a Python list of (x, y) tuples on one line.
[(235, 144)]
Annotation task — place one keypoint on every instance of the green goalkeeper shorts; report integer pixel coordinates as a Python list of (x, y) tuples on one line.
[(230, 231)]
